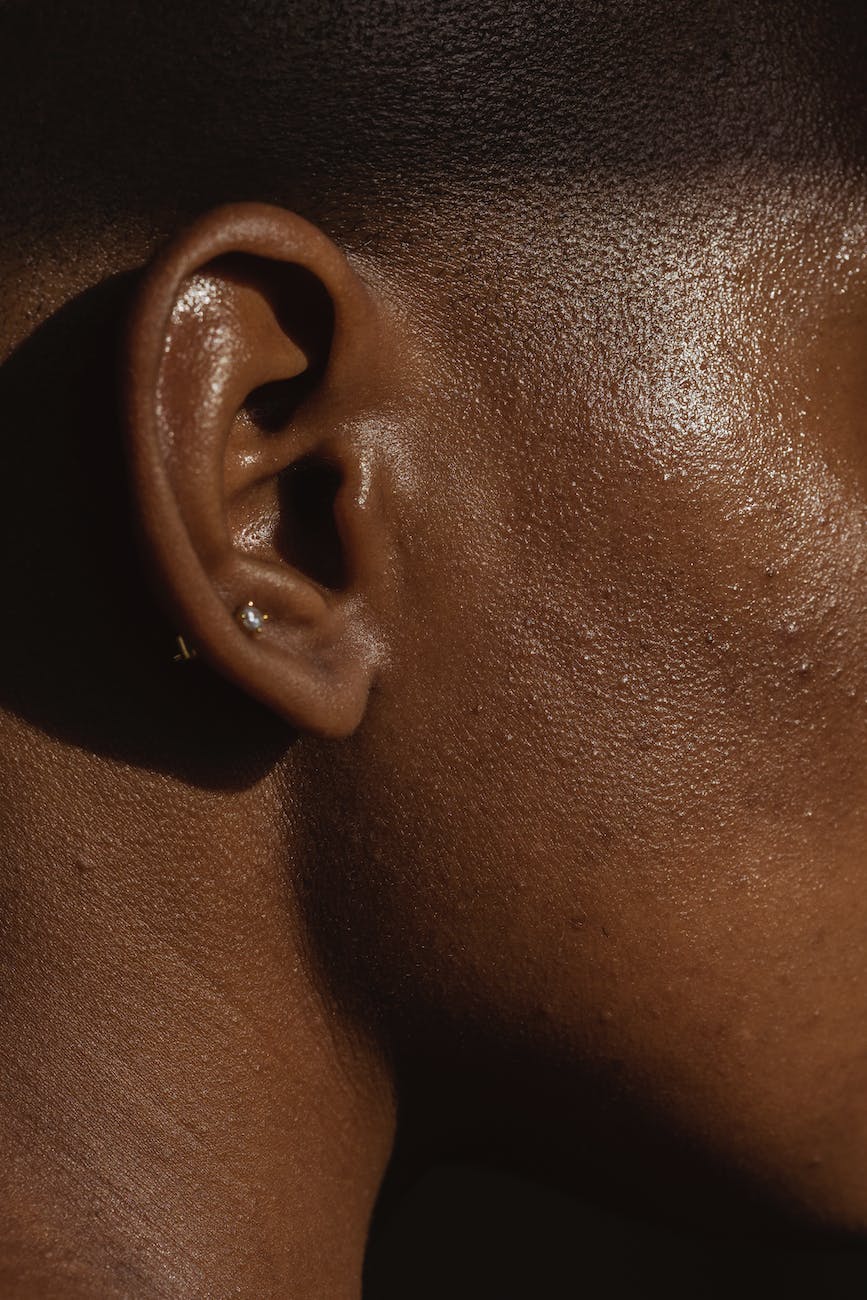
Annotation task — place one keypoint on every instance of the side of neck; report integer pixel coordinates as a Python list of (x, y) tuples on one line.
[(180, 1108)]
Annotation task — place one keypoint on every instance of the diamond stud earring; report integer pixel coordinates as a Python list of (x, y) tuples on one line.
[(251, 618)]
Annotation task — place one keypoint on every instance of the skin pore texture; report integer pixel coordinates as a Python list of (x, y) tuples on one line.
[(533, 824)]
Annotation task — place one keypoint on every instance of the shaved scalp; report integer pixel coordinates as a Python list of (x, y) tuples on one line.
[(357, 112)]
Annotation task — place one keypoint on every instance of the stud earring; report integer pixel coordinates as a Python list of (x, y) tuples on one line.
[(251, 618)]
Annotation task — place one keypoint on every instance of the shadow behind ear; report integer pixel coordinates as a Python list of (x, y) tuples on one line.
[(255, 356), (87, 656)]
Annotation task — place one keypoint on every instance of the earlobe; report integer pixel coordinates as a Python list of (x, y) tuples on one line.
[(254, 351)]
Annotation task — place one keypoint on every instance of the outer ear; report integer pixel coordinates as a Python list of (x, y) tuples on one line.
[(254, 357)]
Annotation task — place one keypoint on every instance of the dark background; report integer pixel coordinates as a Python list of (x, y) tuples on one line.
[(466, 1233)]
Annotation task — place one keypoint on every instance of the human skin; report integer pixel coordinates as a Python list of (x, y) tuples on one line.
[(655, 714), (649, 715), (536, 810)]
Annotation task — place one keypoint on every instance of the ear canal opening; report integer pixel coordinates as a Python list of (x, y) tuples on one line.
[(308, 536)]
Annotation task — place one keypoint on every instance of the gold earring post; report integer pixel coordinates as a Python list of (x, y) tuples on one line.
[(185, 652)]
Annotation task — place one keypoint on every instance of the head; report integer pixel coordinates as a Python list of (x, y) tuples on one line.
[(511, 357)]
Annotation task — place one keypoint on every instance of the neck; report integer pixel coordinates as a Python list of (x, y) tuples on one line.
[(181, 1110)]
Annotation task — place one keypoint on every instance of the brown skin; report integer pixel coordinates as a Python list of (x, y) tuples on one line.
[(552, 823)]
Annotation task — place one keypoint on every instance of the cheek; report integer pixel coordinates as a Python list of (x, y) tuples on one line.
[(648, 640), (631, 767), (698, 658)]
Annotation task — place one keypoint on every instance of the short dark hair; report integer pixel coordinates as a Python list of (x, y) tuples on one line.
[(352, 110)]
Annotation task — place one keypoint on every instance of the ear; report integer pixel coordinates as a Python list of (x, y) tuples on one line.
[(253, 367)]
